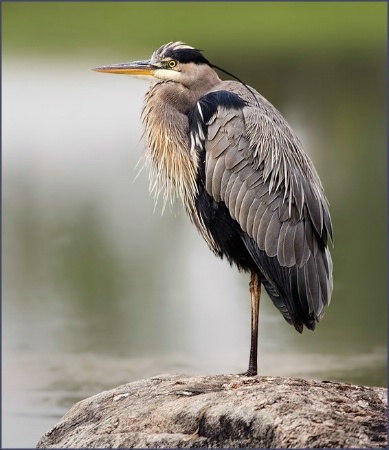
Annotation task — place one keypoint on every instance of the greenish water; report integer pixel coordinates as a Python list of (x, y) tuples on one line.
[(98, 288)]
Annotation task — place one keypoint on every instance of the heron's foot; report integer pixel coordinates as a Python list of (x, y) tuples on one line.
[(249, 373)]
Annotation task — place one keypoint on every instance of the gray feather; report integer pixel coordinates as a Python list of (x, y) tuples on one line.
[(310, 237), (231, 199), (272, 234), (323, 277), (302, 291), (247, 202), (211, 163), (280, 244), (234, 160), (251, 216), (288, 245), (263, 226), (244, 173), (313, 288), (216, 178), (254, 179), (239, 200), (232, 178), (255, 233), (301, 249), (217, 146), (314, 206), (224, 183)]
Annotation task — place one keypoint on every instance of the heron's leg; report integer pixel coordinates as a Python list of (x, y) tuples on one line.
[(255, 291)]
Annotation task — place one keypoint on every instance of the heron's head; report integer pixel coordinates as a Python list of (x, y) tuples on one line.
[(175, 62)]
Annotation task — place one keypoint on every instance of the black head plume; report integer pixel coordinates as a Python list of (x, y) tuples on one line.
[(180, 52)]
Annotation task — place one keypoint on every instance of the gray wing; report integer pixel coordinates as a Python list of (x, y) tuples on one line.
[(255, 165)]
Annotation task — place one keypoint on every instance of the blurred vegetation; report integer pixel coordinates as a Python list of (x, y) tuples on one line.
[(279, 28)]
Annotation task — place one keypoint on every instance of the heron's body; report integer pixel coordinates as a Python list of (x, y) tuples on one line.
[(244, 179)]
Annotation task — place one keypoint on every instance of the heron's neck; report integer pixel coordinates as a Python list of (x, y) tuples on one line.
[(173, 168)]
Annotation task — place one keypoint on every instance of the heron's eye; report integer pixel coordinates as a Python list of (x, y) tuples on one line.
[(172, 63)]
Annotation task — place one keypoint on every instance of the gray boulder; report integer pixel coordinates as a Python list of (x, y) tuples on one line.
[(178, 411)]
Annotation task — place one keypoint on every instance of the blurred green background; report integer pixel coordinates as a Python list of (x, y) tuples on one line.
[(98, 290)]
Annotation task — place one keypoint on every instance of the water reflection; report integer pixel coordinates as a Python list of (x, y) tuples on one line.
[(100, 290)]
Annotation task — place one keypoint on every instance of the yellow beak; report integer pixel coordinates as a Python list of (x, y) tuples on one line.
[(131, 68)]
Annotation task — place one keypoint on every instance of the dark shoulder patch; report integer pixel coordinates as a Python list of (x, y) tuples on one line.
[(228, 100), (204, 109), (200, 115), (207, 106)]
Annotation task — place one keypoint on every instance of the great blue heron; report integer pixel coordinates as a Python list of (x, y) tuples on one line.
[(243, 177)]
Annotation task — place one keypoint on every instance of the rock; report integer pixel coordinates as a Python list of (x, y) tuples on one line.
[(178, 411)]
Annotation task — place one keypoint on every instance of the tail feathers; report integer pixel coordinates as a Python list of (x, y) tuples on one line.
[(299, 293)]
